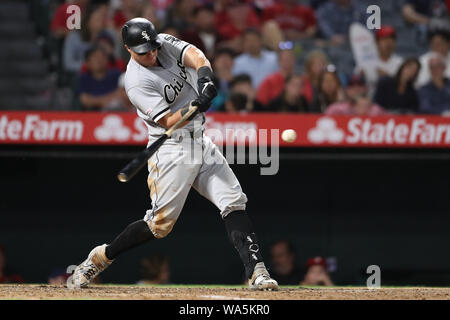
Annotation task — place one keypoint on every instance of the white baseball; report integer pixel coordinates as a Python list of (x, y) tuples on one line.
[(289, 135)]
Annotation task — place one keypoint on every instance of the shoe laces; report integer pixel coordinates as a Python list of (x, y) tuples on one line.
[(90, 271), (264, 276)]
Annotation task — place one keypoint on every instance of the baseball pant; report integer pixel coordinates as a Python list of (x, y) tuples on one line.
[(182, 162)]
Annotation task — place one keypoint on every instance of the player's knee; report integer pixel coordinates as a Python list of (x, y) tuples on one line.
[(161, 230), (238, 204), (161, 227)]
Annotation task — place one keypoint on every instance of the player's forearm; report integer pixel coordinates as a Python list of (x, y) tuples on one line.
[(412, 16), (196, 59), (171, 118), (90, 101), (174, 119)]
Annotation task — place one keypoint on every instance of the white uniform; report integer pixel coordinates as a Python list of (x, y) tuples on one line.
[(187, 159)]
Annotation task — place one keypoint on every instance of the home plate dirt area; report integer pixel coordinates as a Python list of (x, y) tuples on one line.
[(36, 292)]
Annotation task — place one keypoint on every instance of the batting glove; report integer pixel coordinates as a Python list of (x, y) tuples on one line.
[(207, 90)]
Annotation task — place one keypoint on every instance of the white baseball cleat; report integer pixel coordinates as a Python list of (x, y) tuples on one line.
[(95, 263), (261, 279)]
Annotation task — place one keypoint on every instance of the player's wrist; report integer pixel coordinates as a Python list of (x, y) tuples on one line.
[(206, 88), (205, 72), (185, 110)]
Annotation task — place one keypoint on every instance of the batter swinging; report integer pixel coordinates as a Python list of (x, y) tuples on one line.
[(163, 76)]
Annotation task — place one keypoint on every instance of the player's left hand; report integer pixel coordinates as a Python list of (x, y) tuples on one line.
[(206, 89)]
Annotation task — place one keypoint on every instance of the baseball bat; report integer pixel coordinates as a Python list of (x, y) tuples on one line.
[(133, 167)]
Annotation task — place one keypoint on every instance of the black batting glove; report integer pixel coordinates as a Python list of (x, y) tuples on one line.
[(207, 90)]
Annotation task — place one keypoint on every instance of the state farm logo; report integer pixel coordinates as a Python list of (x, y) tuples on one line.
[(379, 131), (33, 127), (112, 128), (326, 130)]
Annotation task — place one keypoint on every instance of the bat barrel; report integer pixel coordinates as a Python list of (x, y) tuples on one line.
[(123, 177), (132, 168)]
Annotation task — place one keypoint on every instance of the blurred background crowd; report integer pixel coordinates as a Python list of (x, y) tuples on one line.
[(268, 55)]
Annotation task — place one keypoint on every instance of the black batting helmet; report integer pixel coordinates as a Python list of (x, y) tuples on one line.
[(140, 35)]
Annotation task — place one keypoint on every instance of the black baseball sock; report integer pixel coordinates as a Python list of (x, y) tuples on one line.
[(135, 234), (241, 235)]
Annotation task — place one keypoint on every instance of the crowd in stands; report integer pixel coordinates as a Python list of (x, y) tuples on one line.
[(270, 56), (285, 269)]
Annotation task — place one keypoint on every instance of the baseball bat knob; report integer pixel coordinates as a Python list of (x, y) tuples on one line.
[(122, 177)]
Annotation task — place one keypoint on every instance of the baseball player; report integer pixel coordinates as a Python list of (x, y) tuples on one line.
[(163, 76)]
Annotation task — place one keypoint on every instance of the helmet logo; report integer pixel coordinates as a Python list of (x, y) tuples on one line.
[(145, 35)]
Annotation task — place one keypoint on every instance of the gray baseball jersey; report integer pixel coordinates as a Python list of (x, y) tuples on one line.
[(179, 164), (156, 91)]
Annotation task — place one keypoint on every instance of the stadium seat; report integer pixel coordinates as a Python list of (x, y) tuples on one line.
[(25, 68), (24, 75), (13, 11), (15, 30)]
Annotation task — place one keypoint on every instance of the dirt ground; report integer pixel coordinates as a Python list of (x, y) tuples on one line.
[(37, 292)]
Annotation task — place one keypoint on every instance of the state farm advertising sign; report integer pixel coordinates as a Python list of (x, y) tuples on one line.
[(80, 128)]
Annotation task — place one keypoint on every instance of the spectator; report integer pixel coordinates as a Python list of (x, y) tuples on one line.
[(78, 42), (389, 62), (149, 12), (329, 91), (260, 5), (426, 15), (172, 30), (222, 66), (398, 93), (98, 88), (202, 33), (181, 14), (439, 43), (317, 273), (155, 270), (316, 4), (5, 275), (58, 276), (295, 20), (272, 86), (105, 41), (255, 61), (435, 96), (161, 7), (335, 18), (237, 102), (316, 62), (129, 9), (242, 83), (420, 12), (58, 26), (291, 99), (233, 17), (284, 268), (358, 101)]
